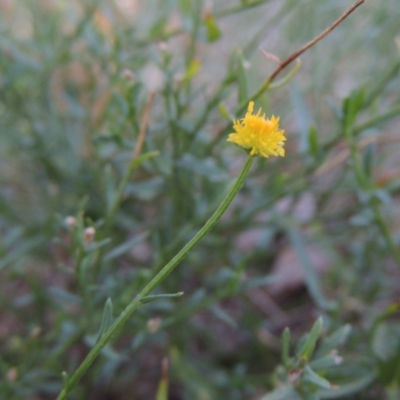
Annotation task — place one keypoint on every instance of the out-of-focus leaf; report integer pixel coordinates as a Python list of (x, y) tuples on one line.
[(348, 389), (110, 186), (24, 247), (223, 316), (310, 376), (192, 70), (352, 105), (97, 245), (286, 347), (146, 190), (206, 167), (283, 393), (224, 112), (335, 340), (64, 297), (213, 31), (153, 297), (65, 378), (106, 320), (313, 146), (125, 247), (386, 348), (162, 391), (256, 282), (308, 347)]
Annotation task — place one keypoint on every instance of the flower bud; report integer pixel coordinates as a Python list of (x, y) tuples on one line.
[(88, 234)]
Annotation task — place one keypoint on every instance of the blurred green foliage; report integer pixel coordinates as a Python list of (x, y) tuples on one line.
[(76, 246)]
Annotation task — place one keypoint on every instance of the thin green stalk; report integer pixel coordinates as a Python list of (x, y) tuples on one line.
[(165, 271)]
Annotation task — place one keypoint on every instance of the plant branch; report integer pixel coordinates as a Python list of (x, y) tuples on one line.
[(312, 42), (282, 65), (116, 327)]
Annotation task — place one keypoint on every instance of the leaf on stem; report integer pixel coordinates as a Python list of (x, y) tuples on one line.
[(107, 318), (308, 347)]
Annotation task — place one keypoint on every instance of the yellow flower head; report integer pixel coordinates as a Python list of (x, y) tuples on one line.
[(258, 134)]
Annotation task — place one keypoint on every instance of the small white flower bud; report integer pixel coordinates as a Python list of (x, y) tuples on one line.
[(88, 234), (70, 222), (153, 324)]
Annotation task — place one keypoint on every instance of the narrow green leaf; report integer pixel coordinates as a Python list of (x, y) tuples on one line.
[(311, 377), (107, 318), (223, 316), (206, 167), (313, 146), (256, 282), (352, 105), (348, 389), (323, 363), (286, 347), (213, 31), (63, 297), (368, 159), (234, 282), (141, 159), (224, 112), (162, 391), (147, 189), (192, 69), (283, 393), (335, 340), (97, 245), (308, 347), (125, 247), (109, 184), (150, 298), (65, 379)]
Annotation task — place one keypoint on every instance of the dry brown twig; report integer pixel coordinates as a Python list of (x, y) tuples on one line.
[(143, 127), (311, 43)]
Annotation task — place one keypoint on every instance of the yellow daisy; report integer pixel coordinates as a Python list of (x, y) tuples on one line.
[(260, 135)]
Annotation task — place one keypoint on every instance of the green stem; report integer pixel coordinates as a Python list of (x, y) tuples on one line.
[(165, 271)]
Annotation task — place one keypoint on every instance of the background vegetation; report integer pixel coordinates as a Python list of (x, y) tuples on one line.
[(311, 242)]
